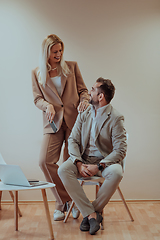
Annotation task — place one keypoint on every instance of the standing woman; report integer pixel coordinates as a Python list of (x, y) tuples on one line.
[(58, 90)]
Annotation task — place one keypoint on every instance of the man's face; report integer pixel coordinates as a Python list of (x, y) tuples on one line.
[(94, 94)]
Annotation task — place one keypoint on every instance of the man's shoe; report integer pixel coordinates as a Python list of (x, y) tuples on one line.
[(99, 217), (75, 212), (85, 225), (58, 215), (95, 224)]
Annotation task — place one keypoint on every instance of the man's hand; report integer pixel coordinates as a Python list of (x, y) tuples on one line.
[(93, 169), (87, 170), (82, 168)]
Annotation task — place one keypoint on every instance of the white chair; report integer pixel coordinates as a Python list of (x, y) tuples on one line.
[(10, 192), (98, 181), (16, 189)]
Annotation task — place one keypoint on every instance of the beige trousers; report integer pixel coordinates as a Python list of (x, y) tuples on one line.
[(49, 156), (68, 173)]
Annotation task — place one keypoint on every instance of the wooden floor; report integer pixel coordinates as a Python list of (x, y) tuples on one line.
[(33, 224)]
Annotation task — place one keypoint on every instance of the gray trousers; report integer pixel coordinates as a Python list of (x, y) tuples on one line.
[(68, 173)]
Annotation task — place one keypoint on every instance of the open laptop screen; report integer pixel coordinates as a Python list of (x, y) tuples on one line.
[(13, 175)]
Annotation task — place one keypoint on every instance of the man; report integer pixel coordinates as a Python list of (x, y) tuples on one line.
[(97, 146)]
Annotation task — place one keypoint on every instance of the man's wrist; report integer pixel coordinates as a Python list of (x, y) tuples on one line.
[(101, 166), (78, 163)]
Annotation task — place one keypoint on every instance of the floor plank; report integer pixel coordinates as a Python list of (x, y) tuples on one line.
[(33, 224)]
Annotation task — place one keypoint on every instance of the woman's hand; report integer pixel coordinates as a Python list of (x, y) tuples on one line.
[(50, 112), (82, 106)]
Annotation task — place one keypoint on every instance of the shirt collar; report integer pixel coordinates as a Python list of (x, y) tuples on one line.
[(100, 111)]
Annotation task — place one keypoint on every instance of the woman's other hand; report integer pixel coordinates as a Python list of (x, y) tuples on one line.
[(50, 112), (82, 106)]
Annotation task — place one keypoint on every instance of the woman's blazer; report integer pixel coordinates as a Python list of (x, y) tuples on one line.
[(73, 91)]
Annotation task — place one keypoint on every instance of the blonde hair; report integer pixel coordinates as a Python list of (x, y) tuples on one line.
[(44, 66)]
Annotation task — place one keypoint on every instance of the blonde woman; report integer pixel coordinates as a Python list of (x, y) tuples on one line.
[(59, 91)]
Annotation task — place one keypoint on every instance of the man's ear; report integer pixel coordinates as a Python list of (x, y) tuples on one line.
[(101, 97)]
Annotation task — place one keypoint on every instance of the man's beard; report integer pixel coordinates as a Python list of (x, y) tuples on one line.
[(94, 103)]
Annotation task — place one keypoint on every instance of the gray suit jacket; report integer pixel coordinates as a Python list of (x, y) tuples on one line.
[(110, 136)]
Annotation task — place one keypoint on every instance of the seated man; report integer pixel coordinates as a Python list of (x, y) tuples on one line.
[(97, 146)]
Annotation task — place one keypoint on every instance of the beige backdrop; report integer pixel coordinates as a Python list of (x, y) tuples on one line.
[(117, 39)]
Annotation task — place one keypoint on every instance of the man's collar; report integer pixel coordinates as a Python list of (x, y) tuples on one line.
[(100, 110)]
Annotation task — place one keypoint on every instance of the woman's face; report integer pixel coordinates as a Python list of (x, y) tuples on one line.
[(55, 53)]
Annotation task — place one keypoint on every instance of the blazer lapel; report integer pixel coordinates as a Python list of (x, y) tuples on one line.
[(63, 83), (87, 130), (103, 118)]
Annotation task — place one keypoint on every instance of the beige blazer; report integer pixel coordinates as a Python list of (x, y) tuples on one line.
[(73, 91), (110, 136)]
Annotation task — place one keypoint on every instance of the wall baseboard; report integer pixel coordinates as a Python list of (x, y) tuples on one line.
[(111, 201)]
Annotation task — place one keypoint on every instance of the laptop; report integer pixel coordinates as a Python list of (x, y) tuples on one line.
[(2, 160), (13, 175)]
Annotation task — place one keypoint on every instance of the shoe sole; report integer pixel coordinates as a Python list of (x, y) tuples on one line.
[(58, 219), (85, 229)]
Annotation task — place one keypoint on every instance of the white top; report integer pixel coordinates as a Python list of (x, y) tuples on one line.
[(57, 83)]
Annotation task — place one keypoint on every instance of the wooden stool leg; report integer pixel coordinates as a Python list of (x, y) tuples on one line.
[(47, 213), (97, 189), (69, 211), (16, 209), (102, 223), (12, 196), (0, 198), (125, 204)]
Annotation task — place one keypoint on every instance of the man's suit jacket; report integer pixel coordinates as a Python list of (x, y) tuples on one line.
[(73, 91), (110, 136)]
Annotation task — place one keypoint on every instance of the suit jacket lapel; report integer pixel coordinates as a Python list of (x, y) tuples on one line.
[(103, 118), (86, 131), (63, 83)]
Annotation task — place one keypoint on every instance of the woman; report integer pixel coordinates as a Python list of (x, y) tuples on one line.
[(58, 89)]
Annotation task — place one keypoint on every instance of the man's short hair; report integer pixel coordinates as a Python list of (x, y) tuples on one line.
[(107, 88)]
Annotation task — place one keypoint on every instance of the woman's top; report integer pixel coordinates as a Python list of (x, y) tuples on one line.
[(57, 82)]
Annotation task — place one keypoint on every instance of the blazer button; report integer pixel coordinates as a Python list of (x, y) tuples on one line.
[(62, 105)]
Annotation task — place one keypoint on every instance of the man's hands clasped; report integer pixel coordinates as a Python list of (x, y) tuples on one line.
[(87, 170)]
